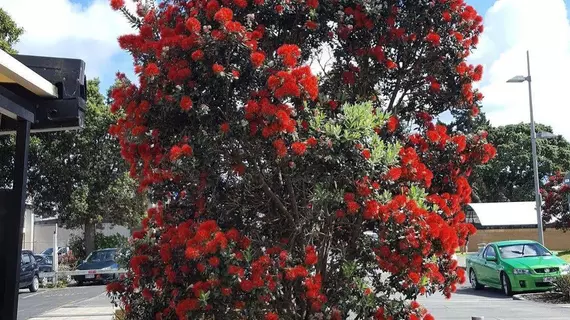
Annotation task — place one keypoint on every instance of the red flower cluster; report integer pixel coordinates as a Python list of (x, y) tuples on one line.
[(290, 54)]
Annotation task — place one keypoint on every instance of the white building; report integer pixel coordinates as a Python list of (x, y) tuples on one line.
[(38, 232)]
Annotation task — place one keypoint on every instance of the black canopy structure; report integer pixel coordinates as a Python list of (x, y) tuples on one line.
[(37, 94)]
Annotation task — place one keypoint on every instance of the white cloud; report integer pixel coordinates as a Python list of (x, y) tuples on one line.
[(511, 28), (61, 28)]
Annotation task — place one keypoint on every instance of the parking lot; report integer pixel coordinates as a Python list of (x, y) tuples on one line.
[(492, 305)]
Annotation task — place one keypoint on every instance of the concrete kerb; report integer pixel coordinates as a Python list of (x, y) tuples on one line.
[(519, 297)]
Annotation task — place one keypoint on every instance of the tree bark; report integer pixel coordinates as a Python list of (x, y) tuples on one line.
[(89, 237)]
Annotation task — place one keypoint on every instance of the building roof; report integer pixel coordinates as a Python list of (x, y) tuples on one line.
[(498, 214)]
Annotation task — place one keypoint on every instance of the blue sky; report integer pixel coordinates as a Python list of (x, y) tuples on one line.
[(121, 61), (88, 29)]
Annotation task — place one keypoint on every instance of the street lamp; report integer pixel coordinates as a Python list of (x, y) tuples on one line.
[(519, 79)]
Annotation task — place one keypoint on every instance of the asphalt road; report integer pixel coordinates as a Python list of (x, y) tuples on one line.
[(34, 304), (464, 304), (492, 305)]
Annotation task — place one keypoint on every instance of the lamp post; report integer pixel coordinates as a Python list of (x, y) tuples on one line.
[(519, 79)]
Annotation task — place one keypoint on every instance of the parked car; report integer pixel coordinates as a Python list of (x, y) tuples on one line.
[(515, 266), (60, 251), (45, 263), (29, 272), (99, 260)]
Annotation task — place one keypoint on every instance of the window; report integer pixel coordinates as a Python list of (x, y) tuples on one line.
[(523, 250), (26, 259), (490, 252)]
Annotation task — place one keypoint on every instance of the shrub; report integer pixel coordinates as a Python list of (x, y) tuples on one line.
[(268, 179), (77, 243), (563, 286)]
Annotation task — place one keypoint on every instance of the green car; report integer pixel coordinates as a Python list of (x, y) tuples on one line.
[(515, 266)]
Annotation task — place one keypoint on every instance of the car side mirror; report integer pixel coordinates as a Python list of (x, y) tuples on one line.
[(491, 259)]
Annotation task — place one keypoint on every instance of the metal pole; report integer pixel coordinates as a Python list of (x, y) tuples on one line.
[(55, 256), (534, 158), (14, 223)]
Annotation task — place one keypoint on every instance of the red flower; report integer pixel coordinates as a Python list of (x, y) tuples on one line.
[(311, 25), (414, 277), (310, 256), (433, 38), (433, 135), (279, 8), (299, 148), (185, 306), (241, 3), (435, 86), (371, 209), (392, 124), (366, 154), (226, 292), (349, 196), (117, 4), (186, 103), (446, 16), (151, 70), (246, 285), (193, 25), (197, 55), (191, 253), (313, 3), (312, 141), (333, 105), (280, 147), (257, 58), (214, 262), (225, 127), (271, 316), (352, 207), (217, 68), (391, 64), (428, 317), (224, 15), (290, 53), (414, 304), (367, 291)]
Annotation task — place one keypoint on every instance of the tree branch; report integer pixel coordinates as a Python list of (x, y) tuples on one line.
[(275, 199), (291, 191)]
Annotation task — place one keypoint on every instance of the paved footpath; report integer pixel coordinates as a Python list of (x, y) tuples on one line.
[(96, 308), (73, 303)]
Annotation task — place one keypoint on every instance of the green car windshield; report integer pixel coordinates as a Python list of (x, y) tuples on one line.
[(523, 250)]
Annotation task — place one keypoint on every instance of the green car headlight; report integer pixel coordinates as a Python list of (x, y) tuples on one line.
[(565, 269), (521, 271)]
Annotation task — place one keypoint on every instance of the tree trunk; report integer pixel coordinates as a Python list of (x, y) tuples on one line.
[(89, 237)]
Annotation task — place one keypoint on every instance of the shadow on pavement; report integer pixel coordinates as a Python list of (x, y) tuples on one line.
[(485, 293)]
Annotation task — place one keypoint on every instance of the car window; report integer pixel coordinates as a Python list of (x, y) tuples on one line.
[(26, 258), (490, 252), (523, 250), (32, 259), (102, 256)]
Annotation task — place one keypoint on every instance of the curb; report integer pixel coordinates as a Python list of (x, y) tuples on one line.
[(519, 297)]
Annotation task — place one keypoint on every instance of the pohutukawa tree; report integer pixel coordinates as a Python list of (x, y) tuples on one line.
[(556, 196), (283, 195)]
